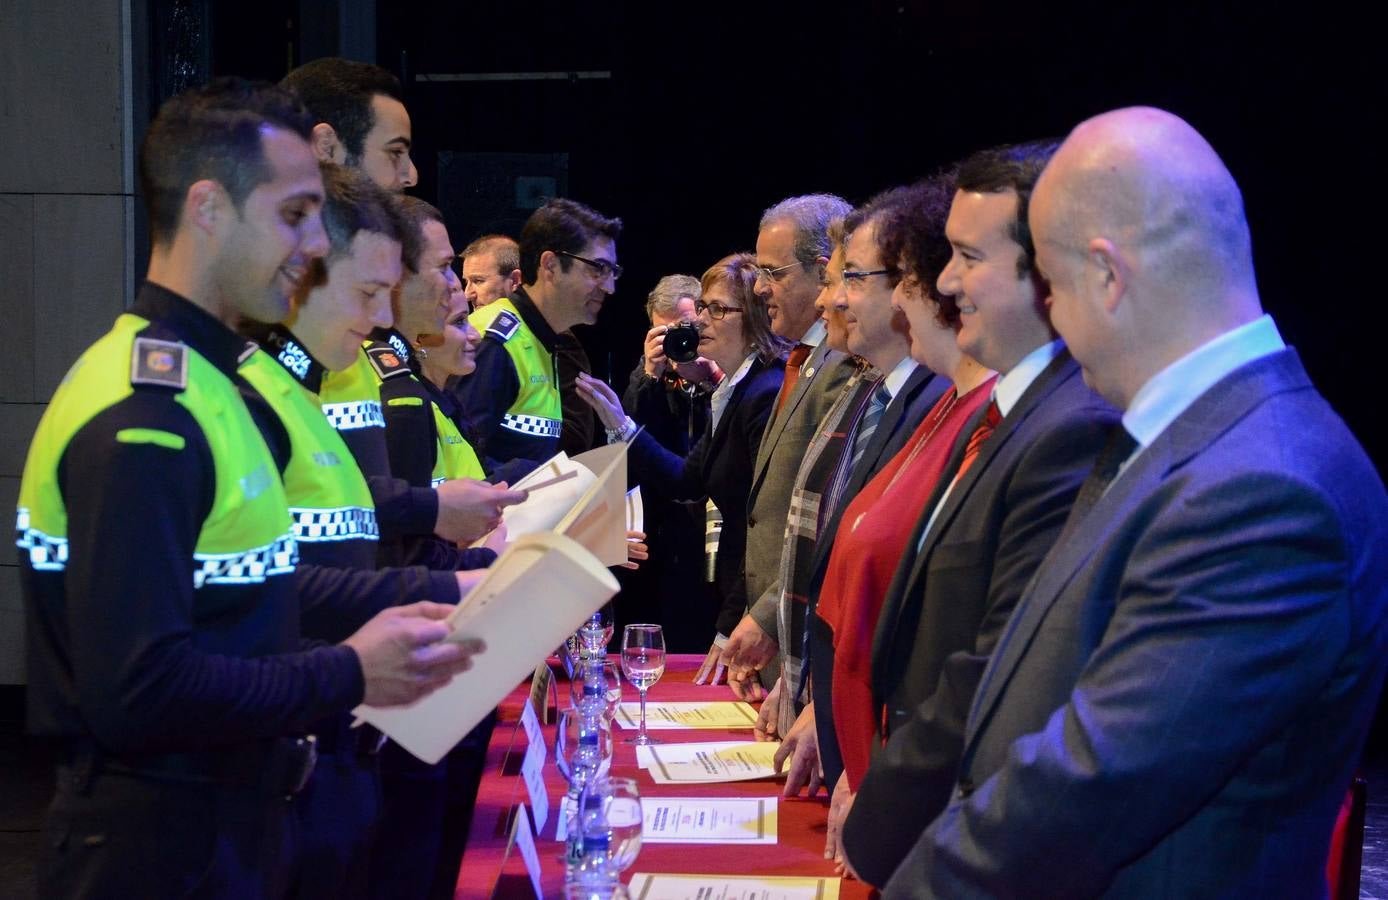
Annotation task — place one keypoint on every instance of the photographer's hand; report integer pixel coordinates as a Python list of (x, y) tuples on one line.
[(703, 371), (656, 360)]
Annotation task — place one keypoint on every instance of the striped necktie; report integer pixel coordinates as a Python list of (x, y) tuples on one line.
[(871, 416)]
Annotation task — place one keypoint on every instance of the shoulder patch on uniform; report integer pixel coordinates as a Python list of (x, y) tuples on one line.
[(159, 363), (386, 361), (504, 326)]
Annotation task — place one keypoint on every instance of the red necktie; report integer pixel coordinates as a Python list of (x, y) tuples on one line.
[(990, 420), (798, 355)]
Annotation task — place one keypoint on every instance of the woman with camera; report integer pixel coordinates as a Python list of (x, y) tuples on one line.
[(735, 339)]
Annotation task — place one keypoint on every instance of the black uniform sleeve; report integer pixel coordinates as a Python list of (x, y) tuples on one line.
[(411, 437), (576, 433), (144, 677), (437, 554), (334, 602), (400, 508), (489, 391)]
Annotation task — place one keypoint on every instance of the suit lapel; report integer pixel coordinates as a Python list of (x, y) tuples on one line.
[(1055, 374), (1213, 413), (814, 363), (725, 421)]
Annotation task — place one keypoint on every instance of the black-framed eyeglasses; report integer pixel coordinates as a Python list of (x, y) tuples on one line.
[(715, 309), (603, 267), (855, 278), (769, 274)]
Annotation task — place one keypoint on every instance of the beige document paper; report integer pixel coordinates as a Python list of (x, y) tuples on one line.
[(724, 715), (697, 820), (646, 886), (541, 589), (708, 763)]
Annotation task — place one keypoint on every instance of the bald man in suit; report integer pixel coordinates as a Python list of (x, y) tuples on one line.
[(1180, 699)]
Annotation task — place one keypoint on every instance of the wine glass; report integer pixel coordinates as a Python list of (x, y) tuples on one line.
[(643, 662), (582, 748)]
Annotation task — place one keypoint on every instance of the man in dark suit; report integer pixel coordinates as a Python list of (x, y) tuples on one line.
[(1181, 698), (997, 512), (792, 251)]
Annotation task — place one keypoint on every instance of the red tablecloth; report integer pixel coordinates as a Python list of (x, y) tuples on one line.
[(799, 850)]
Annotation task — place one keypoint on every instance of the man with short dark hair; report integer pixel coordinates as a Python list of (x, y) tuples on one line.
[(1182, 696), (361, 118), (157, 556), (1007, 490), (491, 269), (568, 263), (334, 517)]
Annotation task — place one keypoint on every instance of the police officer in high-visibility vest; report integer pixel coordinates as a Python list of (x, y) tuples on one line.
[(568, 263), (331, 507), (361, 122), (156, 552)]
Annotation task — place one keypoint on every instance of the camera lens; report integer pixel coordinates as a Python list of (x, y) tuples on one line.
[(682, 343)]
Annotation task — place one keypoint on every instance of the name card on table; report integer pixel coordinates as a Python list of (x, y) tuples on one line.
[(533, 768), (541, 683), (522, 838)]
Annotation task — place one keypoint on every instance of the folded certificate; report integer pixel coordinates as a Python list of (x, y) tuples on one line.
[(583, 498), (708, 763), (717, 714), (732, 887), (541, 589), (698, 820)]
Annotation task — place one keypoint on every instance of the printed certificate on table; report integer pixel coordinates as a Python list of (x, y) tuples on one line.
[(707, 820), (723, 715), (646, 886), (699, 820), (708, 763)]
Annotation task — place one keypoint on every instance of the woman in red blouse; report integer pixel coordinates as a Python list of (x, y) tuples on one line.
[(879, 521)]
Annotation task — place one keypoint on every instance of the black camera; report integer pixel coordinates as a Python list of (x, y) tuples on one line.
[(682, 343)]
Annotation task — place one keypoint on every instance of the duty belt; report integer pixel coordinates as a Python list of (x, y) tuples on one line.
[(278, 767), (536, 426)]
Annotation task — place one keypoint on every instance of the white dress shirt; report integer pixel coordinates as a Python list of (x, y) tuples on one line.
[(1008, 389)]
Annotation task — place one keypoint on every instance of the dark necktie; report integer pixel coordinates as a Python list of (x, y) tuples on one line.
[(1117, 449), (798, 355)]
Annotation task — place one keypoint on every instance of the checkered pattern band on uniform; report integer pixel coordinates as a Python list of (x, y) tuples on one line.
[(46, 553), (249, 566), (346, 523), (350, 416), (532, 425)]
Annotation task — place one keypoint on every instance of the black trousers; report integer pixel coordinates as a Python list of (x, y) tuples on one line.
[(339, 815), (116, 835)]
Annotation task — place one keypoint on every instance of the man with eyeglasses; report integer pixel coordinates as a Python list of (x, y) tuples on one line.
[(568, 263), (792, 251)]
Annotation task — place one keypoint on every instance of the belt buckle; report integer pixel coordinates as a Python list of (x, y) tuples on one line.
[(303, 758)]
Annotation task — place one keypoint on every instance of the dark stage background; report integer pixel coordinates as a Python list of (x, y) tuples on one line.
[(688, 119)]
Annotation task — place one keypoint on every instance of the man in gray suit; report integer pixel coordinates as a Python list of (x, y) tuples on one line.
[(792, 251), (1179, 701)]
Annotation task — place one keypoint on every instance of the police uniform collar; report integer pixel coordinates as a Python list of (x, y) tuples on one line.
[(190, 324), (533, 318), (396, 340), (291, 353)]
